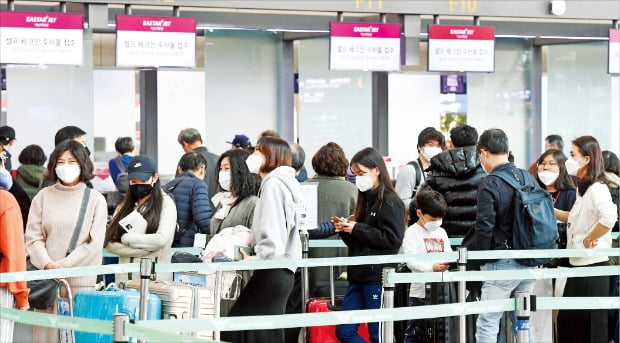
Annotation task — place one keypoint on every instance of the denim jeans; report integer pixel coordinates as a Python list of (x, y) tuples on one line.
[(487, 325), (415, 327), (360, 297)]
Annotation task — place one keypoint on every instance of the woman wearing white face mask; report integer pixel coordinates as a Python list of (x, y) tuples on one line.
[(589, 227), (423, 237), (53, 217), (236, 199), (377, 228), (275, 237), (552, 176)]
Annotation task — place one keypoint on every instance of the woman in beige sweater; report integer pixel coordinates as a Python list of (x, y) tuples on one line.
[(53, 216), (155, 207)]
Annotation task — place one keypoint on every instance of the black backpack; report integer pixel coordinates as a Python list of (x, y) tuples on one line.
[(122, 179), (534, 225)]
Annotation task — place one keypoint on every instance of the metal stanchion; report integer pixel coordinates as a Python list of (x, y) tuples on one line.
[(219, 282), (522, 315), (387, 328), (118, 327), (305, 291), (147, 268), (462, 265)]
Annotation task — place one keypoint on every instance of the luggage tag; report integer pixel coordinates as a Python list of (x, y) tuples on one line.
[(200, 240), (134, 222)]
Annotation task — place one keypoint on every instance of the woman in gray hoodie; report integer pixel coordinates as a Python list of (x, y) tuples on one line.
[(275, 236)]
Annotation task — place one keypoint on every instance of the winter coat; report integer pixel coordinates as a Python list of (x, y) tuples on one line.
[(456, 174), (191, 198), (29, 176)]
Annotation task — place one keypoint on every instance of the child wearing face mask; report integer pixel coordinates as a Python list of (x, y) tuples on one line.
[(423, 237)]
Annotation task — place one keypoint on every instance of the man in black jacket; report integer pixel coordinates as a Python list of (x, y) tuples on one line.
[(493, 231), (456, 174)]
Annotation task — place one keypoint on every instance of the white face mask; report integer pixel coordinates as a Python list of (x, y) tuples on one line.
[(572, 166), (548, 177), (67, 173), (363, 183), (254, 162), (430, 152), (224, 180), (432, 226)]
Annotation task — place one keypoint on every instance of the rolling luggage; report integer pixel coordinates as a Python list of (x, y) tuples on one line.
[(442, 329), (327, 334), (103, 304), (181, 301)]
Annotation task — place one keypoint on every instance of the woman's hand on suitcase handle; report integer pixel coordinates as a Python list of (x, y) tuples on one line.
[(244, 255), (53, 265)]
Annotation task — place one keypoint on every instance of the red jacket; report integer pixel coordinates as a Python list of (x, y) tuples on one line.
[(12, 250)]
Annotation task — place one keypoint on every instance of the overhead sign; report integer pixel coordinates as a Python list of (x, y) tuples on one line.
[(614, 51), (41, 38), (364, 46), (461, 48), (155, 41)]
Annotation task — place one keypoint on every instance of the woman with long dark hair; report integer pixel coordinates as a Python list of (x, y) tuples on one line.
[(377, 228), (589, 227), (552, 175), (275, 236), (237, 189), (154, 208)]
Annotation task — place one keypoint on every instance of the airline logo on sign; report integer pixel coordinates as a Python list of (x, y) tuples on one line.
[(614, 51), (363, 46), (41, 38), (461, 48), (155, 41)]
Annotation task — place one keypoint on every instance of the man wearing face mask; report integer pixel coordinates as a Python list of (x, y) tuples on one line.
[(430, 143), (191, 197)]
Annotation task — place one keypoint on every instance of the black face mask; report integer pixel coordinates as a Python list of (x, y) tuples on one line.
[(140, 190)]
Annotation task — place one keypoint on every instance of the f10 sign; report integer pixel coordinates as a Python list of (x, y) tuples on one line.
[(155, 41), (364, 46), (461, 48), (614, 51), (41, 38)]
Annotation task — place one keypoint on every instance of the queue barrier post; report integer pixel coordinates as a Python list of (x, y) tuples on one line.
[(387, 328), (118, 327), (462, 266), (147, 273), (522, 314), (305, 284)]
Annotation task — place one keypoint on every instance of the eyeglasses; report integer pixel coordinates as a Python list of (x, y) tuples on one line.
[(548, 165)]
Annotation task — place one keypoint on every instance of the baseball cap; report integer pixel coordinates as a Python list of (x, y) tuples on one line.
[(141, 167), (241, 141), (7, 134)]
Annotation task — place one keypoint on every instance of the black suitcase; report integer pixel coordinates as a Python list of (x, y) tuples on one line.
[(443, 329), (401, 299)]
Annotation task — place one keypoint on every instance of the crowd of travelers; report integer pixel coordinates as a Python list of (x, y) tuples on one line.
[(443, 193)]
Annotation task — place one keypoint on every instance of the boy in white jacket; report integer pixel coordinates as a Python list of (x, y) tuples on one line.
[(425, 236)]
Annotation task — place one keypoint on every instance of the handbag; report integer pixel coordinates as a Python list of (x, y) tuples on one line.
[(43, 292)]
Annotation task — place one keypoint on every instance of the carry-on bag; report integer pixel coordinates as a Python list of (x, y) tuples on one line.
[(103, 304), (182, 301), (327, 333)]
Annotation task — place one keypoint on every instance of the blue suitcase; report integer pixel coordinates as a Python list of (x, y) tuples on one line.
[(103, 304)]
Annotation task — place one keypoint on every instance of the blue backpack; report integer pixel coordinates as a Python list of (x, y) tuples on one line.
[(534, 225)]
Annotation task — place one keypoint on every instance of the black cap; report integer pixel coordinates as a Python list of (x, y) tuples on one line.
[(7, 134), (141, 167), (241, 141)]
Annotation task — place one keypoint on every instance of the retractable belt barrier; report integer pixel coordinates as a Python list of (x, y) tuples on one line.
[(167, 330), (313, 262)]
